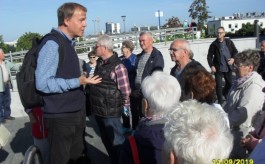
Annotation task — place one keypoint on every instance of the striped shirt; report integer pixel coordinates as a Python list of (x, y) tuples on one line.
[(120, 76), (140, 70)]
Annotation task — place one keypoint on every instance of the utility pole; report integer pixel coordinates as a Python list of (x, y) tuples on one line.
[(123, 19)]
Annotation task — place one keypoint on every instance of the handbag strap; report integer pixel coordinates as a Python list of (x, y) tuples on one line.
[(134, 150)]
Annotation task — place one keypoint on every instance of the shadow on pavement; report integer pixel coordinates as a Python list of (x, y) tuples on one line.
[(3, 155), (22, 139)]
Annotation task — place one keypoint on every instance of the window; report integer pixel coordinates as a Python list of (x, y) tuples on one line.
[(236, 25), (229, 26)]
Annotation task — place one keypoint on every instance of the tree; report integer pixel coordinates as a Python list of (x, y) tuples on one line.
[(199, 10), (25, 41), (247, 30), (172, 23)]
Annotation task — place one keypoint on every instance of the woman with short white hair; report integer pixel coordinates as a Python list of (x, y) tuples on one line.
[(161, 93), (196, 133)]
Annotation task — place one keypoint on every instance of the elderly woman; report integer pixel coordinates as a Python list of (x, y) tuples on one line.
[(161, 93), (245, 98), (128, 59), (195, 133), (200, 85)]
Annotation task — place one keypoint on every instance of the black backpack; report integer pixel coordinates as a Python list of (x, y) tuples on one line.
[(30, 97)]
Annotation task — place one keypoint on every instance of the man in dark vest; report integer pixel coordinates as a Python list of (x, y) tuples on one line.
[(110, 97), (64, 100)]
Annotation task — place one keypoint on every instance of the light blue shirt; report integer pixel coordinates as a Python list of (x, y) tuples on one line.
[(47, 64)]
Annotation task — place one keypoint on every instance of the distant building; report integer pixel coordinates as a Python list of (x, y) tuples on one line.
[(13, 43), (113, 28), (235, 22)]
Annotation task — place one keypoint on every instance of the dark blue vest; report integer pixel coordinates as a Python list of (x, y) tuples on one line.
[(61, 104)]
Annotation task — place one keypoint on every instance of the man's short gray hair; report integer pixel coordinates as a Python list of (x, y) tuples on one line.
[(149, 34), (197, 133), (105, 40), (162, 92)]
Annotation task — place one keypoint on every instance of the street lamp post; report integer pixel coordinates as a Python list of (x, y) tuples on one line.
[(159, 14), (94, 21), (123, 19)]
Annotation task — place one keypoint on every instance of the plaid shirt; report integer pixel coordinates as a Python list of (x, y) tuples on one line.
[(120, 76)]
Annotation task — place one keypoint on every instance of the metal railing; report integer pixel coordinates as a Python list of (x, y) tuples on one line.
[(117, 40)]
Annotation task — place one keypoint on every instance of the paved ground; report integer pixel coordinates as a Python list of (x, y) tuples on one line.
[(21, 140)]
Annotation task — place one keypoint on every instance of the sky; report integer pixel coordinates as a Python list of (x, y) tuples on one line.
[(39, 16)]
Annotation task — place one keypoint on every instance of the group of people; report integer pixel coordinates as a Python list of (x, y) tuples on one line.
[(175, 116)]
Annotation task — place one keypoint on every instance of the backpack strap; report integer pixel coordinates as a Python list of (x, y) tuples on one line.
[(134, 150)]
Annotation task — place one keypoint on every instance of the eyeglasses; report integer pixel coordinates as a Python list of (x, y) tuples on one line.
[(92, 57), (220, 33), (171, 50)]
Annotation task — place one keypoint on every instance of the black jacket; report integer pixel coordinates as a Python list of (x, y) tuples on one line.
[(155, 62), (214, 55)]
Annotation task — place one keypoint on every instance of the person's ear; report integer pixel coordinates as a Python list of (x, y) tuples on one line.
[(145, 106), (251, 67), (172, 158)]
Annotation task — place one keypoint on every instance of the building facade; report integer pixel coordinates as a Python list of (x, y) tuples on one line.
[(235, 22), (113, 28)]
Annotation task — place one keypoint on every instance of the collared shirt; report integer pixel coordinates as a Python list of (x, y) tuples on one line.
[(120, 76), (47, 65), (5, 72)]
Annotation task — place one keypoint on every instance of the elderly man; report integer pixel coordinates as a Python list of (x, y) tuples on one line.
[(220, 59), (181, 54), (5, 84), (204, 127), (110, 97), (149, 60)]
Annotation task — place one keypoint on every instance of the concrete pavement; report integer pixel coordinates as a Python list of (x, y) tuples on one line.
[(21, 140), (20, 128)]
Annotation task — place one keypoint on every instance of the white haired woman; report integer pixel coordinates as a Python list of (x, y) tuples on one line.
[(161, 93), (245, 98), (196, 133)]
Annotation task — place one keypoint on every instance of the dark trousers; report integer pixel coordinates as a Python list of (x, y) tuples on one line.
[(136, 110), (65, 137), (111, 135), (5, 101), (220, 92)]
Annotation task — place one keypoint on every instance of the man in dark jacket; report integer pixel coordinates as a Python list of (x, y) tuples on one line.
[(220, 59), (149, 60), (182, 55), (110, 97)]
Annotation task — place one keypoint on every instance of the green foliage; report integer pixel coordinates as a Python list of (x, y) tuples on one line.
[(199, 10), (25, 41), (172, 23), (247, 30), (6, 48)]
